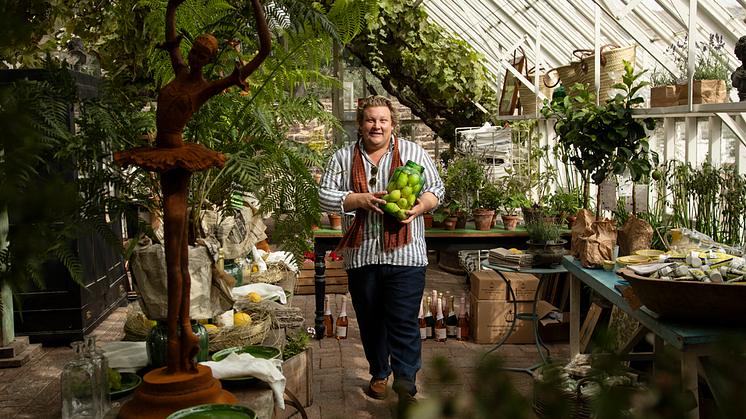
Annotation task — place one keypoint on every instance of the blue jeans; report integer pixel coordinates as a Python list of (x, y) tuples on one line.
[(387, 302)]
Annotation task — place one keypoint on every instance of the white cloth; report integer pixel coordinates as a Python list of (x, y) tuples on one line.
[(245, 365), (125, 356), (285, 258), (264, 290)]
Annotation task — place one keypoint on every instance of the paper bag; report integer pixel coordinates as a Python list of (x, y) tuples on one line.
[(662, 96), (634, 235), (594, 243), (238, 233), (209, 298)]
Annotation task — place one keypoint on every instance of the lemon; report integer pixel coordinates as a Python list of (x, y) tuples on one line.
[(516, 251), (254, 268), (255, 298), (209, 327), (150, 323), (203, 321), (241, 319)]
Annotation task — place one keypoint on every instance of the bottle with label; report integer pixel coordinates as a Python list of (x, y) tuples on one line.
[(422, 323), (434, 308), (463, 298), (328, 319), (429, 321), (462, 329), (451, 321), (446, 306), (342, 320), (440, 324)]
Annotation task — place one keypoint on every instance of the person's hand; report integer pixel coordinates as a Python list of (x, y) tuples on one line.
[(417, 209), (366, 201)]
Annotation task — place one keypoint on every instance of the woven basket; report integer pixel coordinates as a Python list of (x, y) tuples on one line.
[(272, 275), (567, 76), (548, 401), (254, 334), (528, 99), (134, 329), (612, 57)]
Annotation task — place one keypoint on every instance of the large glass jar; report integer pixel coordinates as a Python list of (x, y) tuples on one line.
[(234, 269), (157, 342), (77, 386), (101, 376), (403, 189)]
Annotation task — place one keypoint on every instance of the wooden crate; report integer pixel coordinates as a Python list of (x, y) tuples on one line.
[(336, 279), (298, 371)]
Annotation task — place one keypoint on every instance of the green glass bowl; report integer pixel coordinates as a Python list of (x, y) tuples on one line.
[(216, 411)]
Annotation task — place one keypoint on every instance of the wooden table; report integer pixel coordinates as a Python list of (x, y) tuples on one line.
[(436, 239), (696, 342)]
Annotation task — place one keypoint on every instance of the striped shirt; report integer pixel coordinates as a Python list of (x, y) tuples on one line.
[(336, 185)]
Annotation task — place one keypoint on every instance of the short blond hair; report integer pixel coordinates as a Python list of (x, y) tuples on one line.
[(374, 101)]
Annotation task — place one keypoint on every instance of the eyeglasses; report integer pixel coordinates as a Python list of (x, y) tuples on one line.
[(373, 172)]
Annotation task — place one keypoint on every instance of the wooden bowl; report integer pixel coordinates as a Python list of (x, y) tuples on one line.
[(688, 300)]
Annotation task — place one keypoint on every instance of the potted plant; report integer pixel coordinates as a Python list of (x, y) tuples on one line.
[(509, 203), (489, 200), (711, 78), (464, 177), (544, 241), (565, 205)]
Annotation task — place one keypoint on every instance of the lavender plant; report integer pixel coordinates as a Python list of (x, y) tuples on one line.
[(710, 62)]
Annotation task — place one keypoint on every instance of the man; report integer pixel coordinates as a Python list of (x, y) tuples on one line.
[(385, 259)]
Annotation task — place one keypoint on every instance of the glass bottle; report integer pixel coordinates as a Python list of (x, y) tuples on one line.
[(403, 189), (233, 268), (446, 307), (440, 324), (451, 321), (328, 319), (342, 320), (156, 343), (76, 386), (429, 321), (422, 323), (462, 330), (101, 376), (434, 309)]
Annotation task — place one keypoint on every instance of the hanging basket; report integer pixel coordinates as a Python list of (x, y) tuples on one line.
[(612, 61), (528, 98), (567, 76)]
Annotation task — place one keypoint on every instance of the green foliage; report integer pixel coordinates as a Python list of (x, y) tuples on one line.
[(437, 74), (543, 230), (294, 344), (710, 64), (604, 140), (565, 202), (463, 177)]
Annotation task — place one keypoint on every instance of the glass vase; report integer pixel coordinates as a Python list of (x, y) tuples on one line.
[(101, 376), (77, 389), (233, 268), (157, 343)]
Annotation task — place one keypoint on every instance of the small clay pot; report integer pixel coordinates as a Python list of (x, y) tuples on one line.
[(335, 221), (450, 222), (428, 218), (483, 219), (510, 221)]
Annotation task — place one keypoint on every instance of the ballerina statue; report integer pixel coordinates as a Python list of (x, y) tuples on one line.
[(177, 160)]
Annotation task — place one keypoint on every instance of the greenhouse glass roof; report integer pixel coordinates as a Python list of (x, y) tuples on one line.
[(550, 31)]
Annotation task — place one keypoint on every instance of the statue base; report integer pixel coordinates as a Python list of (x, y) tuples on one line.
[(161, 394)]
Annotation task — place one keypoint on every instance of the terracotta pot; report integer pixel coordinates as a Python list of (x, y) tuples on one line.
[(571, 221), (461, 219), (510, 221), (335, 221), (428, 221), (483, 219), (450, 222), (494, 218), (438, 224), (314, 228)]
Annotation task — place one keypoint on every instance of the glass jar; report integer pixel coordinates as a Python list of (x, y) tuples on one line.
[(403, 189), (101, 377), (234, 269), (77, 386), (157, 342)]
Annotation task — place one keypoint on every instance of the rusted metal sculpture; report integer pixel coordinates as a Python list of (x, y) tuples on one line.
[(176, 161)]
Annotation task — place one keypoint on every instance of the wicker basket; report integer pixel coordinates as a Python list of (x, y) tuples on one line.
[(272, 275), (228, 337), (528, 99), (548, 401), (612, 57), (567, 76)]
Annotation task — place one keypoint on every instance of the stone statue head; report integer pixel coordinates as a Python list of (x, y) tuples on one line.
[(741, 49)]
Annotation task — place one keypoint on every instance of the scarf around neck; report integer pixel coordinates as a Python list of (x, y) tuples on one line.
[(395, 234)]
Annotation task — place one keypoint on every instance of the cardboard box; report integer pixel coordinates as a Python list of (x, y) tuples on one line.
[(491, 320), (488, 285)]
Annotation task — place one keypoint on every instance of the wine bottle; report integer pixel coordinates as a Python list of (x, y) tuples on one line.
[(446, 307), (463, 298), (342, 320), (462, 329), (429, 321), (434, 309), (451, 321), (328, 319), (440, 324), (422, 323)]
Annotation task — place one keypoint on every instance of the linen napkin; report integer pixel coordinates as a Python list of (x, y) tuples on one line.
[(264, 290), (125, 356), (244, 365)]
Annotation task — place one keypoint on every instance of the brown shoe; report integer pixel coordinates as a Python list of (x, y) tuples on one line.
[(377, 388), (406, 404)]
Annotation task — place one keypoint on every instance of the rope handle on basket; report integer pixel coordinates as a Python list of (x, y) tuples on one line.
[(582, 382), (582, 54), (547, 75)]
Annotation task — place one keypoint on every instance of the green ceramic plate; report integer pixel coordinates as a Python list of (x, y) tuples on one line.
[(257, 351), (215, 411), (129, 382)]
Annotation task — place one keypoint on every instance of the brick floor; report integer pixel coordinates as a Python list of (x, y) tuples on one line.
[(340, 369)]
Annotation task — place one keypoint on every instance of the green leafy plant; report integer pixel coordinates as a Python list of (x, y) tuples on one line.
[(542, 230), (604, 140), (511, 201), (489, 196), (294, 344), (567, 203), (464, 178)]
